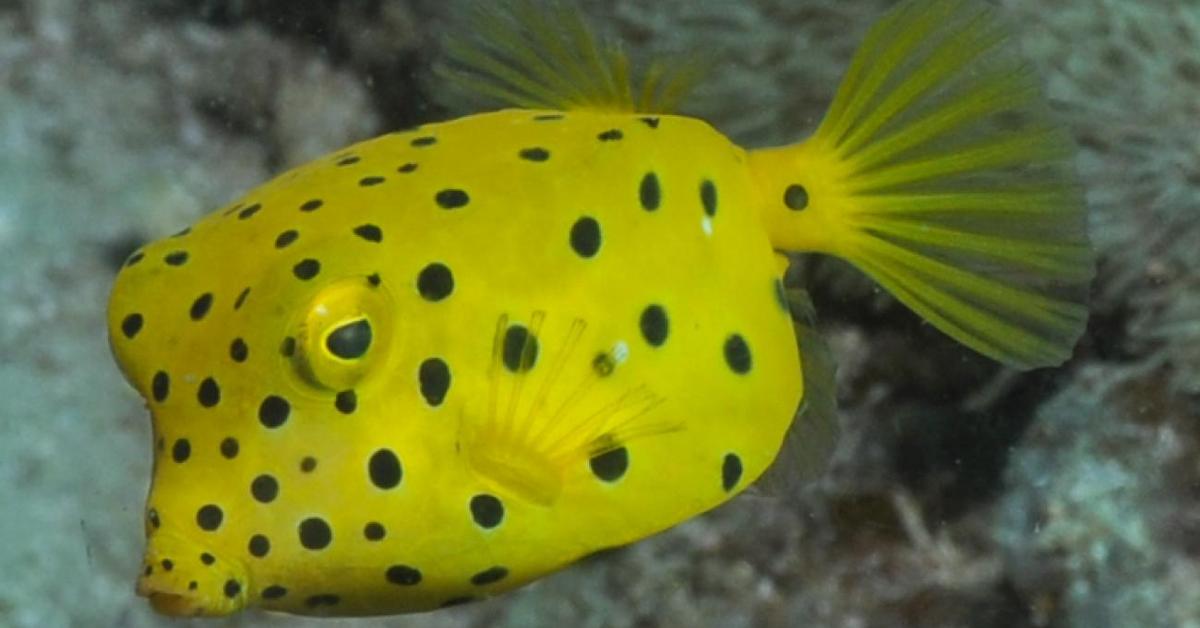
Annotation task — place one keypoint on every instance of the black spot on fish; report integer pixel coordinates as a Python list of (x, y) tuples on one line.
[(346, 402), (308, 464), (209, 393), (651, 122), (520, 350), (488, 576), (348, 160), (311, 205), (649, 192), (249, 211), (241, 298), (708, 197), (367, 182), (232, 588), (374, 531), (451, 199), (547, 117), (259, 546), (737, 354), (273, 411), (610, 135), (384, 469), (182, 450), (201, 306), (238, 351), (795, 197), (207, 559), (585, 237), (274, 592), (610, 466), (160, 386), (435, 282), (421, 142), (131, 325), (209, 518), (287, 348), (176, 258), (286, 238), (487, 510), (654, 325), (315, 533), (306, 269), (229, 448), (264, 488), (731, 471), (407, 168), (434, 375), (370, 233), (403, 575), (534, 154)]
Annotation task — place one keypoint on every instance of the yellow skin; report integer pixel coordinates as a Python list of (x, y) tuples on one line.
[(436, 365), (671, 397)]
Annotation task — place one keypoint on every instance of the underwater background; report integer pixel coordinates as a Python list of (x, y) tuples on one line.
[(962, 494)]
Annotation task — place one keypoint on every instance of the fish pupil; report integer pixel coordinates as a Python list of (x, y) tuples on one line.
[(350, 341)]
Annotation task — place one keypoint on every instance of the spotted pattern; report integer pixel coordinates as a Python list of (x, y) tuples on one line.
[(708, 197), (201, 306), (384, 470), (488, 576), (403, 575), (374, 531), (273, 411), (346, 402), (534, 154), (520, 349), (131, 325), (160, 386), (209, 517), (487, 510), (264, 488), (731, 471), (654, 325), (229, 448), (274, 592), (286, 238), (176, 258), (610, 466), (369, 232), (435, 282), (434, 376), (209, 393), (737, 354), (795, 197), (259, 546), (315, 533), (181, 450), (585, 237), (306, 269), (238, 351), (649, 192), (452, 199)]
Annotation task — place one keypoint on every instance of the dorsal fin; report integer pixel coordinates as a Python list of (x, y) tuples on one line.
[(541, 54)]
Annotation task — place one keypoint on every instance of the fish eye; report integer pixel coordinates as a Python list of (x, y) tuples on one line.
[(351, 340), (341, 336)]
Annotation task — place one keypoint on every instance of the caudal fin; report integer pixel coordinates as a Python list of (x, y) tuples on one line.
[(939, 172)]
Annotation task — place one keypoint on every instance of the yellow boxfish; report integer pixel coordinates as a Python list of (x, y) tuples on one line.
[(435, 365)]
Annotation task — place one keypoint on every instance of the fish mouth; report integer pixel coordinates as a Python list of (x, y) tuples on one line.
[(166, 600)]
